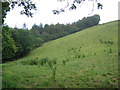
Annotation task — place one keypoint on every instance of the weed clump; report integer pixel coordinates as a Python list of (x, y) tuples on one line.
[(78, 56), (24, 62), (101, 41), (50, 64), (64, 62), (104, 50), (67, 60), (30, 62), (33, 62), (110, 50), (83, 55), (94, 53), (44, 61), (106, 42), (119, 53), (54, 73), (54, 68)]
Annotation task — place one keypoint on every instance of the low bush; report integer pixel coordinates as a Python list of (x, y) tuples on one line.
[(64, 62), (78, 56), (30, 62), (41, 62), (44, 61)]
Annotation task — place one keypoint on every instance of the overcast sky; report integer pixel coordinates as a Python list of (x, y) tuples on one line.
[(45, 15)]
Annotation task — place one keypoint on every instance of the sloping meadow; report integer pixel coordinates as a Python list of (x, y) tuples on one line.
[(86, 59)]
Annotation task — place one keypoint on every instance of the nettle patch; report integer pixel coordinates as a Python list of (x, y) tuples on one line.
[(78, 53), (106, 42), (51, 63)]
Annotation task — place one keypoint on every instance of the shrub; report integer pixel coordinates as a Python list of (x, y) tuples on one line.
[(9, 48), (44, 61), (67, 60), (105, 42), (54, 73), (64, 62), (83, 55), (101, 41), (39, 42), (72, 48), (68, 50), (50, 63), (24, 41), (54, 61), (78, 56), (110, 50), (30, 62), (33, 62), (111, 42), (119, 53), (25, 62)]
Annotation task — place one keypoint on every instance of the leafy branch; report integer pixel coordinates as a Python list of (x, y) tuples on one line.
[(73, 6)]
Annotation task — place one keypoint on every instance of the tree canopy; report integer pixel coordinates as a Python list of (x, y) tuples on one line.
[(27, 5), (51, 32), (75, 4), (8, 44)]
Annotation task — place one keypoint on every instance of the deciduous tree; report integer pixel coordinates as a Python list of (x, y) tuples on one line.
[(9, 48)]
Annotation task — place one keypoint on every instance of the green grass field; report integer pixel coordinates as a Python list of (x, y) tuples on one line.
[(86, 59)]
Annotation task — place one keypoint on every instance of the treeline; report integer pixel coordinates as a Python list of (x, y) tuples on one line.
[(18, 42), (51, 32)]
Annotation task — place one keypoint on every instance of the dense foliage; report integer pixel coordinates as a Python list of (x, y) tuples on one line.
[(51, 32), (18, 42), (24, 40), (8, 44), (28, 6)]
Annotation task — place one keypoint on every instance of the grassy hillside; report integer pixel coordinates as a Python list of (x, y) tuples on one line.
[(86, 59)]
